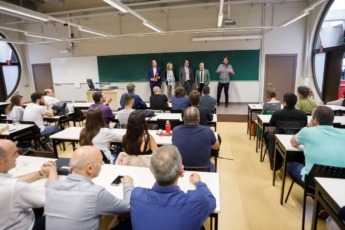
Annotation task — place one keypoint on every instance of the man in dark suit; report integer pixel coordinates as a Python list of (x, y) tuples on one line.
[(154, 75), (186, 77), (202, 77)]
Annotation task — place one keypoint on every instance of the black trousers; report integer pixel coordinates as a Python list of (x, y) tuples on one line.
[(187, 87), (226, 91), (201, 86)]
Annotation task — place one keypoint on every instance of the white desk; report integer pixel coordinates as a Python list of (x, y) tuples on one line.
[(284, 148), (167, 108), (14, 132), (142, 177), (329, 192), (336, 107), (71, 134), (82, 105)]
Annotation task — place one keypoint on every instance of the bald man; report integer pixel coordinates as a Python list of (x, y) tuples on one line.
[(49, 97), (158, 101), (17, 195), (194, 141), (77, 203)]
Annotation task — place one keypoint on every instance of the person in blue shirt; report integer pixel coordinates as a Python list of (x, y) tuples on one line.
[(165, 205), (138, 102)]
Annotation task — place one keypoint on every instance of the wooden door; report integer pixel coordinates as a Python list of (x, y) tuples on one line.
[(280, 73), (43, 78)]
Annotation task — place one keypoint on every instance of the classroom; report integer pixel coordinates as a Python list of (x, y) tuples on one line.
[(279, 44)]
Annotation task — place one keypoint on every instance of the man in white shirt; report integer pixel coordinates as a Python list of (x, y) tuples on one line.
[(17, 195), (49, 97), (36, 111)]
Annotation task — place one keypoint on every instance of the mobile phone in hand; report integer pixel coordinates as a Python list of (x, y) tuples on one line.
[(117, 180)]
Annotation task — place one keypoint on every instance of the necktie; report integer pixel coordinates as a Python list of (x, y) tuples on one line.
[(202, 76)]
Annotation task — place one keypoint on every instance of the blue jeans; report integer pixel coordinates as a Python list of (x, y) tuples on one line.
[(49, 130), (295, 169), (212, 167)]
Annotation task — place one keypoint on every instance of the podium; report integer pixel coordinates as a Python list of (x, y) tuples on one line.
[(114, 105)]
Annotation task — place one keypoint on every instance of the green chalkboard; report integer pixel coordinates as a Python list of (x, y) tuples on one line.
[(133, 68)]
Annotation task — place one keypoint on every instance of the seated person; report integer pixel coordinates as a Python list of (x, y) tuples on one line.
[(95, 133), (272, 103), (103, 104), (179, 101), (286, 121), (18, 195), (323, 144), (194, 141), (136, 142), (304, 103), (76, 202), (205, 114), (35, 112), (158, 101), (165, 205), (15, 109), (138, 102), (49, 97), (207, 101), (123, 114), (340, 102)]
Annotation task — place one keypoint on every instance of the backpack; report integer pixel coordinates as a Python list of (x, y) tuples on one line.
[(59, 108)]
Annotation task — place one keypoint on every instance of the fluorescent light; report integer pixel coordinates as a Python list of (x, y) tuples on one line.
[(41, 36), (12, 29), (118, 5), (11, 41), (57, 19), (220, 20), (243, 37), (93, 31), (305, 13), (22, 11), (153, 26)]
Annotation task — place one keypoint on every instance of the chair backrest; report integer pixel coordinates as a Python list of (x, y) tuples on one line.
[(199, 169), (173, 123), (176, 111), (323, 171), (78, 113), (37, 130), (105, 159)]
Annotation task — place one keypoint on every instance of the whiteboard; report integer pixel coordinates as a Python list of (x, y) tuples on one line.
[(74, 70)]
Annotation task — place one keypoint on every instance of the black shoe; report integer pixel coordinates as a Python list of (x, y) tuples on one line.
[(218, 103), (48, 147), (226, 105)]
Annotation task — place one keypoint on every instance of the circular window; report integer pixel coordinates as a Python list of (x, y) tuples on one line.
[(10, 70)]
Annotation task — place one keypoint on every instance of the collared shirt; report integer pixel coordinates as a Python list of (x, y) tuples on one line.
[(186, 69), (323, 144), (224, 76), (16, 201), (50, 100), (202, 76), (77, 203), (138, 102), (169, 208), (106, 111)]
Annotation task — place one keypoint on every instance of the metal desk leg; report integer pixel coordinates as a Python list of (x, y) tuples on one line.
[(283, 180)]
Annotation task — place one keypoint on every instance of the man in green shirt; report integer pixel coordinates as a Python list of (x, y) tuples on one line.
[(304, 103)]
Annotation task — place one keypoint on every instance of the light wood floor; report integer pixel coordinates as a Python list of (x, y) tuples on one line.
[(248, 199)]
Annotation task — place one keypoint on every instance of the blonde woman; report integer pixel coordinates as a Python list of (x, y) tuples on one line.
[(170, 80)]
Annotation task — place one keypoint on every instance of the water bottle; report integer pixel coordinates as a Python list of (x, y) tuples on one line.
[(167, 127)]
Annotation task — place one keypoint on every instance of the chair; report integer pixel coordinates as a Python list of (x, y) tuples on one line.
[(173, 123), (198, 169), (176, 111), (309, 184), (78, 116), (105, 159), (36, 135)]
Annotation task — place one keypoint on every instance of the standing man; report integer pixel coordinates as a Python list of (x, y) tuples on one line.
[(154, 75), (202, 77), (99, 99), (77, 203), (18, 195), (186, 77), (165, 205), (224, 70)]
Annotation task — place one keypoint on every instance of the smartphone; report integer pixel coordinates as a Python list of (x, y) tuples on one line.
[(117, 180)]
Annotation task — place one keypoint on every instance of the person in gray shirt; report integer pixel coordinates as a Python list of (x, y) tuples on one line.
[(77, 203), (207, 101), (224, 70)]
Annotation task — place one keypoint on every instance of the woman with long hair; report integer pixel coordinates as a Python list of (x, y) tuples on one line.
[(15, 109), (95, 133), (137, 143)]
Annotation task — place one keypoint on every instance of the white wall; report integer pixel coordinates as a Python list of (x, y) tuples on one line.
[(288, 40)]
